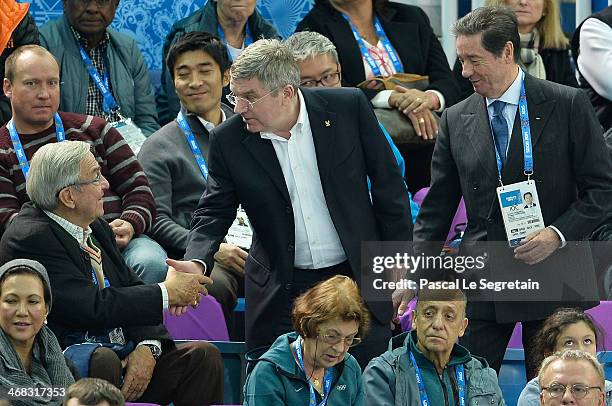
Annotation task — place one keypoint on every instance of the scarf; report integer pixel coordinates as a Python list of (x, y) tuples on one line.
[(531, 61), (49, 369)]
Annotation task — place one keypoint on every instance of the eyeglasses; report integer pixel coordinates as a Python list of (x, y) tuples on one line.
[(99, 3), (330, 79), (95, 181), (578, 390), (333, 339), (235, 99)]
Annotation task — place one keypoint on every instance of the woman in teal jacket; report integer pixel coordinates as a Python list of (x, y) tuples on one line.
[(312, 366)]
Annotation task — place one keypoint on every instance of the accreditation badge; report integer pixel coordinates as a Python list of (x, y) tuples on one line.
[(521, 211), (131, 133), (116, 336), (240, 233)]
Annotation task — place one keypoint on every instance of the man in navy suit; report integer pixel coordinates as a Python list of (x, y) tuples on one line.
[(297, 161), (481, 147)]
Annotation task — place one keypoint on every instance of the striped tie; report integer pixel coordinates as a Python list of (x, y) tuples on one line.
[(500, 129), (95, 255)]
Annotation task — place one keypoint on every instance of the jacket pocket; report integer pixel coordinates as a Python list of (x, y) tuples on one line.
[(485, 399), (256, 271)]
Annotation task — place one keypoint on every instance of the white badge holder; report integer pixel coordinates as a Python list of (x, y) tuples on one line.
[(116, 336), (130, 132), (521, 211), (240, 233)]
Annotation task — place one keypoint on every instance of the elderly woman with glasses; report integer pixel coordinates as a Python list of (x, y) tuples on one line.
[(311, 366)]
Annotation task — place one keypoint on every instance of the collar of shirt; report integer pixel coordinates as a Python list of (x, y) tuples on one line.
[(207, 124), (299, 127), (78, 233), (512, 94), (83, 41)]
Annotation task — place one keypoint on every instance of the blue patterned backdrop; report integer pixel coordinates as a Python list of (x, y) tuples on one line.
[(148, 21)]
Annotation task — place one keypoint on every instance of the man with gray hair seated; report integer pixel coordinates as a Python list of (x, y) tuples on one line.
[(318, 60), (572, 377), (297, 160), (108, 320)]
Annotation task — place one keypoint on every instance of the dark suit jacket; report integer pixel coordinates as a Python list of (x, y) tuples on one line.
[(410, 34), (243, 168), (571, 169), (78, 304)]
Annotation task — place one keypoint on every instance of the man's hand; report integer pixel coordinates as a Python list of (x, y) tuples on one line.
[(140, 365), (232, 257), (537, 246), (400, 299), (424, 124), (124, 232), (186, 267)]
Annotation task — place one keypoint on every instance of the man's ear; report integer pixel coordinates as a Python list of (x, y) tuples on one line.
[(66, 198), (225, 78), (7, 88)]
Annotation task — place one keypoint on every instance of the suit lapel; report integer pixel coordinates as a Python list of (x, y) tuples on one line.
[(476, 125), (264, 154), (323, 127), (78, 256), (539, 109)]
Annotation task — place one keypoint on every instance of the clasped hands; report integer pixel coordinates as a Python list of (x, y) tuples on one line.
[(418, 106)]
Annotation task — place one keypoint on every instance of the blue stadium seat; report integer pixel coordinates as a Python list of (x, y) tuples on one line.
[(512, 375)]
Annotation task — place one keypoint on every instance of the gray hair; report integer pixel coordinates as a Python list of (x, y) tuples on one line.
[(573, 355), (497, 25), (53, 167), (270, 62), (306, 44)]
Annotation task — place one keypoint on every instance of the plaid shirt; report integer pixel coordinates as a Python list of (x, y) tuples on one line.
[(97, 54)]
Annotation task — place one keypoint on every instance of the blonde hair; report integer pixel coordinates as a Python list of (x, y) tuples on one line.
[(549, 25), (575, 356), (336, 297)]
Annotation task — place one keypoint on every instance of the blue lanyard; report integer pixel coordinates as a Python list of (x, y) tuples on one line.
[(193, 144), (525, 136), (459, 373), (110, 104), (397, 63), (248, 38), (327, 379), (19, 151)]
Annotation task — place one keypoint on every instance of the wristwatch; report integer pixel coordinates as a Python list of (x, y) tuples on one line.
[(155, 350)]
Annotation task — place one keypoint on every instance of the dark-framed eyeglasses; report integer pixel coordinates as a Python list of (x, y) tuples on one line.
[(99, 3), (333, 339), (578, 390), (327, 80), (95, 181), (234, 100)]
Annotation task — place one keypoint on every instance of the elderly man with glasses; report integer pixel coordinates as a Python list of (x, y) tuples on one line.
[(426, 366), (572, 377), (33, 84), (107, 320), (297, 160)]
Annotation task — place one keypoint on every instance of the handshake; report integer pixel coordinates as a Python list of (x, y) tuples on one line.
[(186, 285)]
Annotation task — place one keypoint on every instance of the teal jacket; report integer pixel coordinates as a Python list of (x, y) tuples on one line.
[(129, 76), (390, 379), (274, 378), (205, 19)]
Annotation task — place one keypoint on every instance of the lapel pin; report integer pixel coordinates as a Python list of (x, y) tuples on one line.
[(327, 123)]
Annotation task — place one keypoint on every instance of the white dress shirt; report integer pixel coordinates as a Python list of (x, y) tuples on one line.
[(511, 98), (317, 244), (595, 59), (210, 126)]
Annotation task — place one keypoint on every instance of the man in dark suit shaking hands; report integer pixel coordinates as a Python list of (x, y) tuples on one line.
[(480, 147), (297, 162)]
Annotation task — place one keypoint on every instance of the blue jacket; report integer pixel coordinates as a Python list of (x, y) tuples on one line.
[(129, 76), (275, 379), (390, 379), (205, 19)]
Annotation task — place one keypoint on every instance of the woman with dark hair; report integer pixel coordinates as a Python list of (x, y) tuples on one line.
[(544, 46), (30, 356), (566, 329), (311, 366)]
